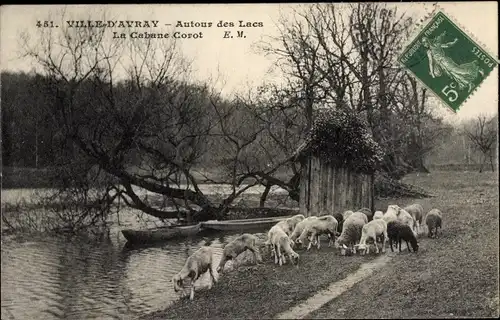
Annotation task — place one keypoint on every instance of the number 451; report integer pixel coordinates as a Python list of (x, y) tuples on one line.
[(45, 24), (451, 94)]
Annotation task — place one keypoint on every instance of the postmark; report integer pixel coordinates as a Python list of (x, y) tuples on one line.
[(447, 61)]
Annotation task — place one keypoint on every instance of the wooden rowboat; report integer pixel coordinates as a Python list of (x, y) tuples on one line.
[(243, 224), (161, 234)]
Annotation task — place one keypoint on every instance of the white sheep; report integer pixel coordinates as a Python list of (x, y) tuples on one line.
[(378, 215), (288, 225), (326, 224), (300, 227), (372, 230), (234, 248), (351, 233), (417, 212), (346, 214), (280, 241), (268, 243), (361, 215), (391, 214), (196, 265)]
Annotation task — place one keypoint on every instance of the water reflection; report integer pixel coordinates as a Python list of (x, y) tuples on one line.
[(60, 279)]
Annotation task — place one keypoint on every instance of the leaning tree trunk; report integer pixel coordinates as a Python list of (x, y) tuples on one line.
[(264, 195)]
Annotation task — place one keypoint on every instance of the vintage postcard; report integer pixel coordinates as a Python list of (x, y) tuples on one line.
[(222, 161)]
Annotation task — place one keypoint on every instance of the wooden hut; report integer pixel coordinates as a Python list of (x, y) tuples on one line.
[(339, 158)]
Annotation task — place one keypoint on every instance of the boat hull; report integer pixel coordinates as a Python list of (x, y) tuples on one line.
[(165, 234), (242, 225), (160, 234)]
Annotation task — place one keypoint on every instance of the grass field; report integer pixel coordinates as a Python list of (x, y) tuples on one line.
[(453, 276)]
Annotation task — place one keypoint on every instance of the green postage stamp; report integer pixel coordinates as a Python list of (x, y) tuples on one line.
[(447, 61)]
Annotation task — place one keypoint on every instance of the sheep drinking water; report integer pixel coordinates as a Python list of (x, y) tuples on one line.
[(196, 265)]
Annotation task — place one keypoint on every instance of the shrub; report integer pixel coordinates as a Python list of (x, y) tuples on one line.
[(342, 139)]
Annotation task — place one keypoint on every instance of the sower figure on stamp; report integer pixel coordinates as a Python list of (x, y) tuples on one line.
[(439, 63)]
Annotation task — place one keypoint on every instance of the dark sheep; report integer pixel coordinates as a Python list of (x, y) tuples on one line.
[(397, 231), (433, 221), (368, 213), (340, 220)]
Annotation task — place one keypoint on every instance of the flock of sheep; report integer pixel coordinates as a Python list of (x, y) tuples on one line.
[(349, 232)]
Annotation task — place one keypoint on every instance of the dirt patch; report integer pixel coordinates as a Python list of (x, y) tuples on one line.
[(453, 276), (334, 290)]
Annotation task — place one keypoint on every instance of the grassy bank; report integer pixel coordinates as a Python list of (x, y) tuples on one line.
[(456, 274), (256, 292), (453, 276)]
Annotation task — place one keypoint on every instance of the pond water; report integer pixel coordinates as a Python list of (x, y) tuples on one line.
[(52, 278)]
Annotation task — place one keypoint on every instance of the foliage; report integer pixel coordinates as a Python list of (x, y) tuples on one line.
[(342, 139)]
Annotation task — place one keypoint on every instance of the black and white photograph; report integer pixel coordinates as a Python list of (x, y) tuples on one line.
[(249, 161)]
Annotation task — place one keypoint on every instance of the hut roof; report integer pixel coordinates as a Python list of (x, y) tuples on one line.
[(343, 140)]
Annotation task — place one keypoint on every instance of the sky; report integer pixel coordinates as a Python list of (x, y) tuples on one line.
[(235, 61)]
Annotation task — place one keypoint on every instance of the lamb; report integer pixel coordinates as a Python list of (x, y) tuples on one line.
[(433, 220), (417, 212), (398, 231), (234, 248), (288, 225), (351, 232), (368, 213), (378, 215), (280, 240), (196, 265), (372, 230), (326, 224)]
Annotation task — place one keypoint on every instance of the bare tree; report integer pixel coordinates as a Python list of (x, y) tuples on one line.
[(121, 100), (276, 111), (344, 56), (482, 132), (130, 109)]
